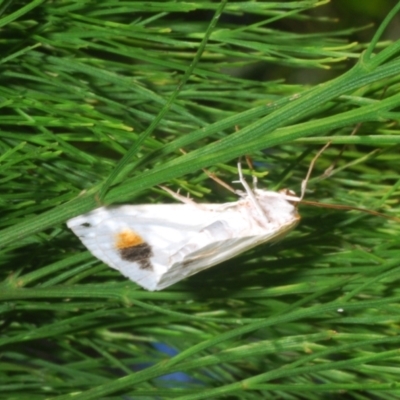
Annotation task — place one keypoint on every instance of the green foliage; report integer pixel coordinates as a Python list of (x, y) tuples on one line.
[(98, 98)]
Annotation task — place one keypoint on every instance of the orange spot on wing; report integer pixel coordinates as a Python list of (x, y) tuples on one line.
[(127, 239)]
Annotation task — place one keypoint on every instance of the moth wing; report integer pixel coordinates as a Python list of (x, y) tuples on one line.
[(158, 245), (138, 240), (223, 245)]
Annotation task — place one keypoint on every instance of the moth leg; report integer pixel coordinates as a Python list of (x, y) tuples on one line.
[(215, 178), (249, 162), (179, 197), (219, 181), (182, 199), (250, 193)]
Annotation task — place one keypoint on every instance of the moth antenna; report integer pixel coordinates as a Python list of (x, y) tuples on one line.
[(348, 208), (326, 174), (310, 168)]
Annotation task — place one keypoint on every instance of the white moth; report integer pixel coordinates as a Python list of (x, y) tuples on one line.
[(157, 245)]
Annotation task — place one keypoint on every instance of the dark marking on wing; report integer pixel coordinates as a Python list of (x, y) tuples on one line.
[(86, 225), (140, 253)]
